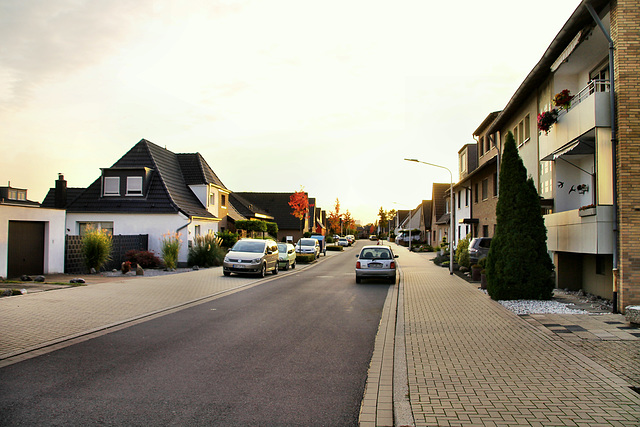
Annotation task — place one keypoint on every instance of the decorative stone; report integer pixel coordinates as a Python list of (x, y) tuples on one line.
[(92, 271), (77, 280), (39, 279), (139, 271), (195, 267), (632, 314), (25, 278)]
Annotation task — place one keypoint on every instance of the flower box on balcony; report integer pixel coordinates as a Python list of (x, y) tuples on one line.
[(587, 211)]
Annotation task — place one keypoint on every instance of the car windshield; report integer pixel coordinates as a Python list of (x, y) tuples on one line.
[(308, 242), (282, 247), (248, 246), (375, 253)]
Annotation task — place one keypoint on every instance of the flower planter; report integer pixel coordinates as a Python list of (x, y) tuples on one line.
[(475, 274), (587, 212)]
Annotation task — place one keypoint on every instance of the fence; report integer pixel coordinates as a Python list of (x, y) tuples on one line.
[(74, 261)]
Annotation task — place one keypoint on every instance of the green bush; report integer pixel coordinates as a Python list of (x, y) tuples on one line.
[(329, 239), (272, 230), (206, 251), (518, 265), (228, 238), (305, 258), (335, 248), (462, 252), (96, 248), (170, 248)]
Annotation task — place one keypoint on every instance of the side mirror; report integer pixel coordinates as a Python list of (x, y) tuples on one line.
[(357, 256), (396, 256)]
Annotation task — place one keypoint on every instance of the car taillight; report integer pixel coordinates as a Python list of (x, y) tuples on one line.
[(392, 265), (358, 264)]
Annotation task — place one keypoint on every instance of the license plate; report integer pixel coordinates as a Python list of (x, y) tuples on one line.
[(375, 265), (238, 266)]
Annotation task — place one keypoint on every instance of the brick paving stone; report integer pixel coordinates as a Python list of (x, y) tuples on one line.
[(460, 343)]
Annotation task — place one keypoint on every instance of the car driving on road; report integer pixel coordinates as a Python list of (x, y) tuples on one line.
[(376, 262), (251, 256)]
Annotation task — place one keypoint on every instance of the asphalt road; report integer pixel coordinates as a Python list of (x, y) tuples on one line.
[(293, 351)]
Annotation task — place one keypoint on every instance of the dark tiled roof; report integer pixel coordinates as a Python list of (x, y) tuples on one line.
[(274, 204), (427, 206), (438, 199), (196, 170), (244, 207), (50, 199), (167, 190)]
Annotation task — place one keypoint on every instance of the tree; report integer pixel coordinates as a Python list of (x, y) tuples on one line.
[(335, 218), (299, 203), (518, 265), (349, 223), (382, 214)]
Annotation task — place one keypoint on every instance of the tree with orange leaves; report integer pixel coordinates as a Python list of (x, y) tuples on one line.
[(335, 218), (299, 203), (349, 223)]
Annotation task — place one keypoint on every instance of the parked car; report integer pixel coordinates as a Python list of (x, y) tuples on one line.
[(286, 256), (251, 256), (343, 242), (373, 237), (322, 242), (376, 262), (478, 249), (351, 238), (336, 237), (308, 245)]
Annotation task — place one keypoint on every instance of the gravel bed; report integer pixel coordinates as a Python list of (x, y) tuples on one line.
[(540, 307)]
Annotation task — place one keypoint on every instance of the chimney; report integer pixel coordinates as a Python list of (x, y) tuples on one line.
[(61, 192)]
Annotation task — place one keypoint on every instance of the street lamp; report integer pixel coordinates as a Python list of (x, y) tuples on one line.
[(450, 213)]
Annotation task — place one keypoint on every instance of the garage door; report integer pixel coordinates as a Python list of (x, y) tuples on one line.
[(26, 248)]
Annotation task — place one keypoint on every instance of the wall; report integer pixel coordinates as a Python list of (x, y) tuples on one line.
[(625, 31), (54, 220)]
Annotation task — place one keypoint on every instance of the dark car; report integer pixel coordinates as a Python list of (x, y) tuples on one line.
[(478, 249)]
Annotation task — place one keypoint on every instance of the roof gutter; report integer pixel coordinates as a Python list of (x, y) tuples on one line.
[(614, 143)]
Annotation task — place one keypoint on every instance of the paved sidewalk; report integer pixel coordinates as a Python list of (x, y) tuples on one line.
[(470, 361)]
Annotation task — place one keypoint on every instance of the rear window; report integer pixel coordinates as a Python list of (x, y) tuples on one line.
[(484, 243)]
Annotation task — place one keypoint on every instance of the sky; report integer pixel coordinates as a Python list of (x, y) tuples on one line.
[(277, 95)]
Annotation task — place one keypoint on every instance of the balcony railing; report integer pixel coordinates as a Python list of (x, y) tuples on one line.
[(597, 85)]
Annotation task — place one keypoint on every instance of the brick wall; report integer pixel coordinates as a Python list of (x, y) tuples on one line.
[(484, 210), (625, 31)]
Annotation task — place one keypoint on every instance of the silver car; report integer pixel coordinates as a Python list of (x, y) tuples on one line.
[(308, 246), (251, 256), (376, 262)]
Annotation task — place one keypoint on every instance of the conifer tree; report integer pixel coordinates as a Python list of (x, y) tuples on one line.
[(518, 265)]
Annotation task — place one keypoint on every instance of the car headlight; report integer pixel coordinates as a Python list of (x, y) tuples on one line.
[(255, 261), (226, 259)]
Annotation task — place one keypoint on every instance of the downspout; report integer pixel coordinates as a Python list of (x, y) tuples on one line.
[(185, 226), (614, 143)]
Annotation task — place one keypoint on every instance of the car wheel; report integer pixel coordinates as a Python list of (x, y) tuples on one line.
[(293, 265), (275, 270), (393, 279), (263, 270), (286, 267), (226, 273), (358, 280)]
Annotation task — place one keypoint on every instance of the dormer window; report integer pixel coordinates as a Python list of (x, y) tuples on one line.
[(111, 186), (134, 186)]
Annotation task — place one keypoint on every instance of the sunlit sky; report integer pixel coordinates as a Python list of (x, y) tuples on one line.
[(277, 95)]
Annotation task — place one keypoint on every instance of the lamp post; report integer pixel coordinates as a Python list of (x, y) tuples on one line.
[(451, 209)]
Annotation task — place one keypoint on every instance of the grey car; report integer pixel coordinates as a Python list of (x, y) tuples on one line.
[(478, 249), (376, 262), (251, 256)]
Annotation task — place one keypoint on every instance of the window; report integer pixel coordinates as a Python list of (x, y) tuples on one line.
[(197, 230), (527, 127), (134, 186), (459, 198), (212, 198), (476, 197), (223, 200), (17, 195), (466, 196), (515, 135), (485, 189), (463, 162), (111, 186), (83, 227), (481, 144), (485, 231)]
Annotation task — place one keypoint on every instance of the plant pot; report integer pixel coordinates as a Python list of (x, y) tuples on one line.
[(483, 281), (587, 212), (475, 274)]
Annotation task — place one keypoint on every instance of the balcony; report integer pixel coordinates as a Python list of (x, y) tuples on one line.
[(589, 109), (575, 231)]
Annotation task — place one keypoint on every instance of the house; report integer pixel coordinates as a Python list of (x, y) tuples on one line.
[(149, 190), (483, 180), (272, 207), (586, 165), (440, 213), (468, 161), (31, 238)]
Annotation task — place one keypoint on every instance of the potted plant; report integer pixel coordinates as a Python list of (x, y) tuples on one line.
[(475, 272), (563, 99), (546, 119)]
